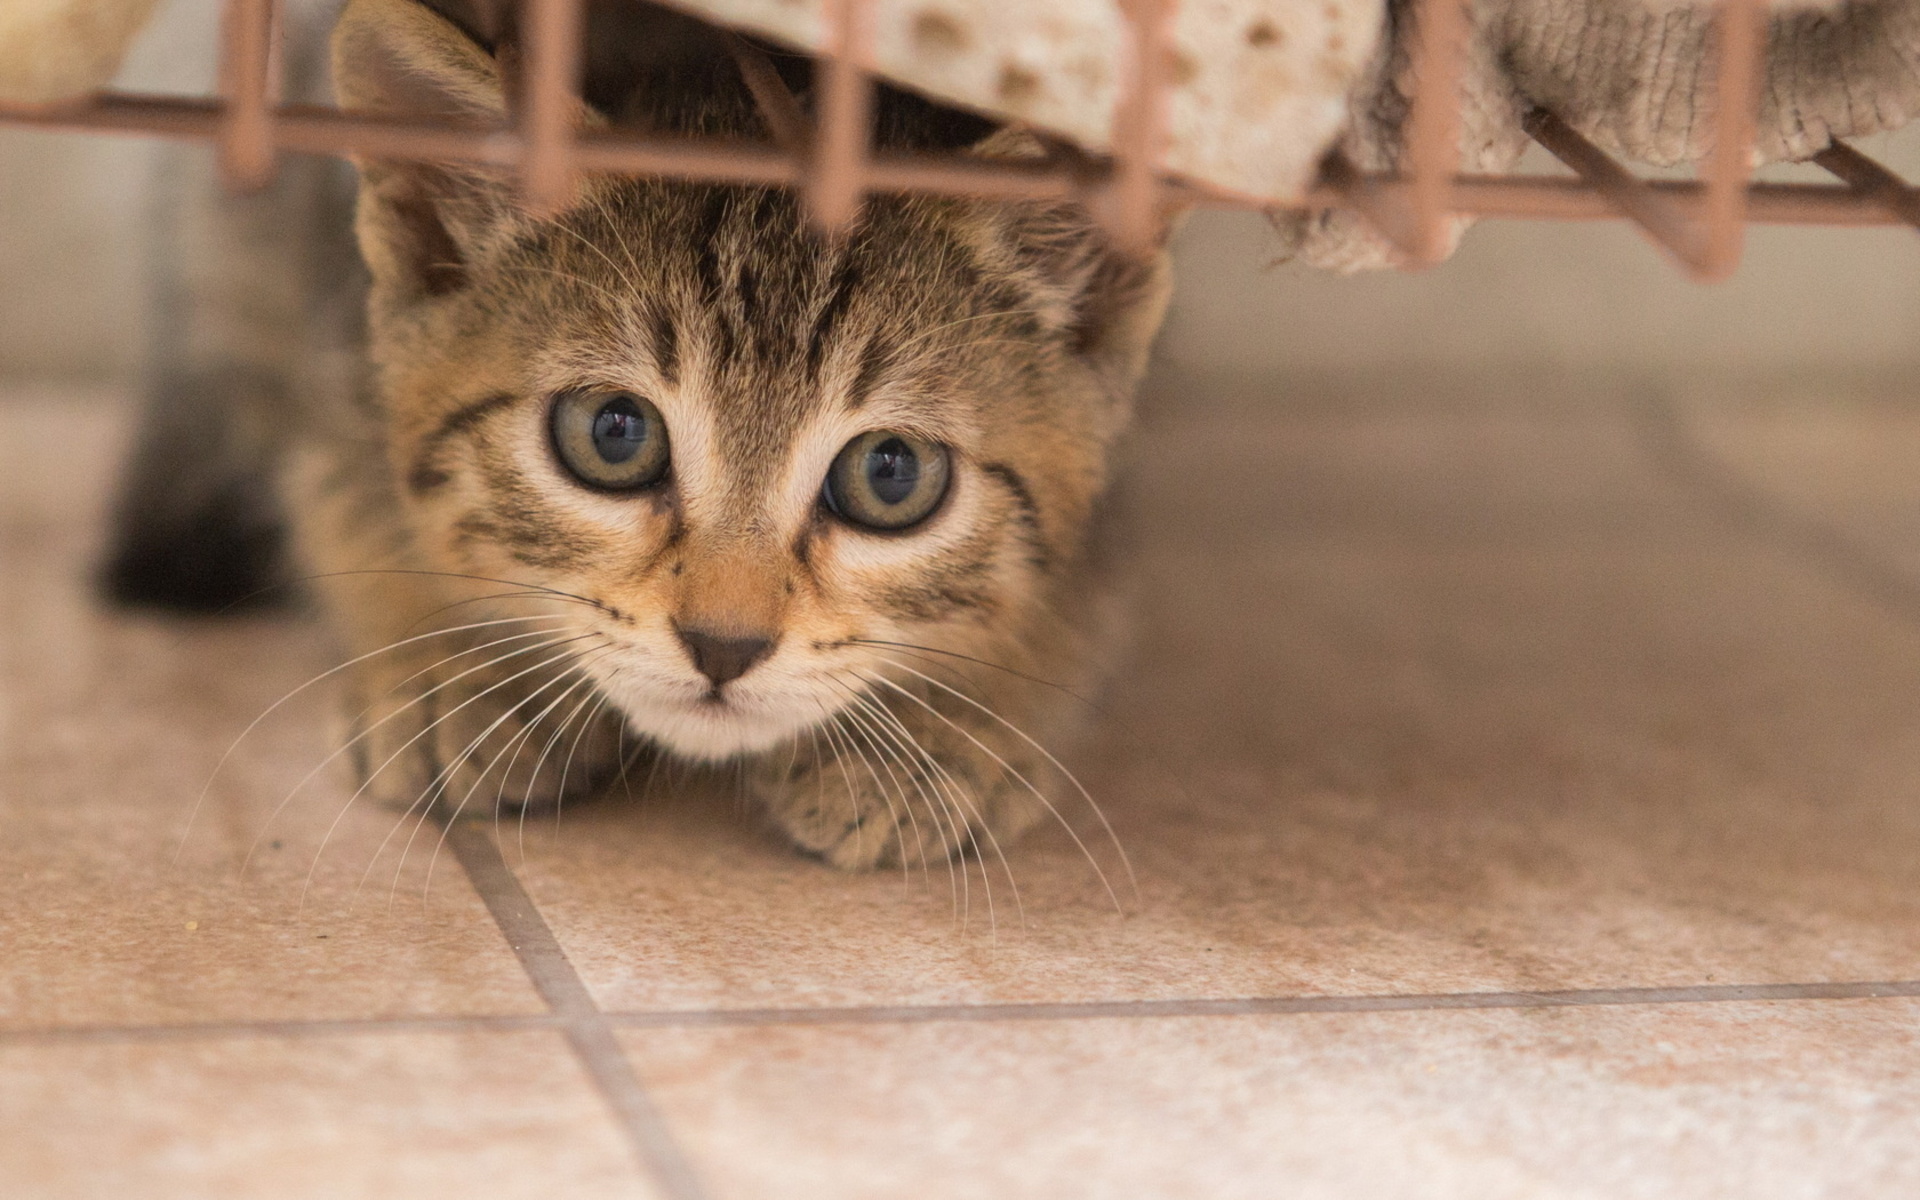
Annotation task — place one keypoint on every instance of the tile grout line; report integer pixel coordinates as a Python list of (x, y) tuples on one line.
[(291, 1028), (1724, 993), (586, 1028), (1274, 1005)]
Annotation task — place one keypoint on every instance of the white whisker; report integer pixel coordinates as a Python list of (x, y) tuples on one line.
[(514, 743), (407, 745), (865, 728), (826, 729), (945, 813), (945, 786), (1015, 773), (577, 236), (965, 812), (566, 767), (925, 654), (435, 791), (525, 739), (559, 792), (552, 639), (960, 802), (1101, 816), (834, 729), (329, 673)]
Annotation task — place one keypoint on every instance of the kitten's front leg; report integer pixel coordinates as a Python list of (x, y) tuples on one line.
[(510, 723), (489, 709), (903, 779)]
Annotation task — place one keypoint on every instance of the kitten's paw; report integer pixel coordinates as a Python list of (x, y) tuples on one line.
[(862, 811), (479, 744)]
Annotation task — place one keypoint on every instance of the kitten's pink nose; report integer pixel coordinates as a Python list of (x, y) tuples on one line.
[(723, 659)]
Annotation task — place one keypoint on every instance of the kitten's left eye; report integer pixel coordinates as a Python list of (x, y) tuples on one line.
[(614, 440), (886, 480)]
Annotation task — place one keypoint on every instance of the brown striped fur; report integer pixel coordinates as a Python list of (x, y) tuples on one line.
[(1007, 332)]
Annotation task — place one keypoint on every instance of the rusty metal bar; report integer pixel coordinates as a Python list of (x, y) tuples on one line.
[(1655, 213), (845, 113), (309, 129), (246, 75), (1559, 199), (1740, 48), (553, 32), (276, 58), (1700, 224), (1872, 181), (1132, 205), (1388, 209), (778, 106), (1441, 29)]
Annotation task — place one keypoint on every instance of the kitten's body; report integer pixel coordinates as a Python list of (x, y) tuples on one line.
[(725, 612), (257, 305)]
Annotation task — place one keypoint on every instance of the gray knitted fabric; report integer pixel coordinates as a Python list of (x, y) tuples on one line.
[(1638, 78)]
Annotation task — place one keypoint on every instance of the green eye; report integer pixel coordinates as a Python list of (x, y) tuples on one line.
[(612, 440), (886, 480)]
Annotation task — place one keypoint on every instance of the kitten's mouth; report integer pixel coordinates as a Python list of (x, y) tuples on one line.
[(717, 724)]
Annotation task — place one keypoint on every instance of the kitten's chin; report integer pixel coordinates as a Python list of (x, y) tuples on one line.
[(712, 732)]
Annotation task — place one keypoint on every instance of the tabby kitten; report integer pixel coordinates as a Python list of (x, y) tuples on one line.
[(670, 471)]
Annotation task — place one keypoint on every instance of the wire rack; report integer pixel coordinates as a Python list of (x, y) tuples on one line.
[(1699, 222)]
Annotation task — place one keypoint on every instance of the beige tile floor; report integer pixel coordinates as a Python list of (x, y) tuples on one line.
[(1521, 779)]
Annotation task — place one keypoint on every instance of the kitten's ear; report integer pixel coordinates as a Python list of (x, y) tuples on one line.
[(422, 225), (1106, 303)]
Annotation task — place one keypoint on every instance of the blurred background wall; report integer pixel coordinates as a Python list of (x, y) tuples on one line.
[(73, 217), (1517, 297)]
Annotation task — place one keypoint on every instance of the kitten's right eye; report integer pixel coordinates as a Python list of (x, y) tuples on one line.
[(887, 481), (612, 440)]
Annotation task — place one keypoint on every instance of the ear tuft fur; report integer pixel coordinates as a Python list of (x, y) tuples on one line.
[(1105, 303), (421, 225), (396, 56)]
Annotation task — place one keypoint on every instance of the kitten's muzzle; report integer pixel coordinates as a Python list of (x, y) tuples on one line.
[(720, 658)]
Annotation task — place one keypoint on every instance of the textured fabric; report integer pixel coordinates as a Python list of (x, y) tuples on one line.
[(53, 49), (1639, 79), (1259, 86), (1262, 88)]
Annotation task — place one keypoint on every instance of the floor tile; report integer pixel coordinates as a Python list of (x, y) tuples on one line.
[(420, 1116), (113, 910), (1714, 1100), (1483, 700), (1835, 453), (1462, 689)]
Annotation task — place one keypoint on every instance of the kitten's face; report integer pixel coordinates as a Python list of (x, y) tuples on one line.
[(762, 465), (765, 462)]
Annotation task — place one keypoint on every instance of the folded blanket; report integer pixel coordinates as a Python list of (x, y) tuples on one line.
[(1261, 89), (55, 49), (1638, 78), (1259, 86), (1254, 107)]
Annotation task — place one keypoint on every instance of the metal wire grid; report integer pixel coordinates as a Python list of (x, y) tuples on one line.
[(1700, 223)]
